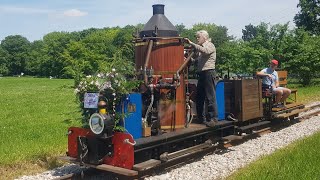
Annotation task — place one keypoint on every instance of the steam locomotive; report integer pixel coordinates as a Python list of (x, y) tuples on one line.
[(160, 125)]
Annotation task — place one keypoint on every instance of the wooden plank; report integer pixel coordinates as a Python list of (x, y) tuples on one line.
[(243, 128), (252, 105), (146, 165), (288, 106), (232, 138), (251, 97), (104, 167), (117, 170), (283, 83), (294, 112), (252, 115), (263, 131), (282, 74)]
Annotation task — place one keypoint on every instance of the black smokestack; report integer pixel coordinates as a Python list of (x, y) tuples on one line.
[(158, 9), (158, 25)]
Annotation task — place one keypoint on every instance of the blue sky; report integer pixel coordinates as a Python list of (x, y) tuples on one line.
[(35, 18)]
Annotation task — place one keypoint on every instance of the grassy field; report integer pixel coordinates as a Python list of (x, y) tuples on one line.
[(35, 114), (300, 160), (306, 94), (309, 94)]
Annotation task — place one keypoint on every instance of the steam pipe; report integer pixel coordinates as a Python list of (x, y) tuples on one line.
[(167, 86), (184, 65), (147, 61), (144, 120)]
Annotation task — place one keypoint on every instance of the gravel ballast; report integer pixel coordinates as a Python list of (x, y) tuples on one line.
[(220, 165)]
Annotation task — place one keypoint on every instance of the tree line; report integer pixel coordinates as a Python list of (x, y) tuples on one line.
[(76, 54)]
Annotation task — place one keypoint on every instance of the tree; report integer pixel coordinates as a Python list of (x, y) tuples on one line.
[(35, 58), (17, 48), (303, 55), (77, 61), (228, 55), (252, 58), (4, 70), (218, 34), (123, 40), (308, 17), (261, 43), (54, 45), (180, 28), (249, 32)]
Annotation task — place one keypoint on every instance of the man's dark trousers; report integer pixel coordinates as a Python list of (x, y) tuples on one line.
[(206, 92)]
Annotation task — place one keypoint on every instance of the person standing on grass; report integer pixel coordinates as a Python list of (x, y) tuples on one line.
[(271, 78), (206, 90)]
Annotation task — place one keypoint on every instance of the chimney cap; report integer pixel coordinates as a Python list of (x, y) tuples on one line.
[(158, 9), (158, 24)]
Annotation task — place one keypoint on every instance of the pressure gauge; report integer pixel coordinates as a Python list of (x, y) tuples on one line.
[(96, 123)]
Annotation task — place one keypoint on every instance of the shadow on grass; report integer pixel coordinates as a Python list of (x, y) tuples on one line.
[(47, 161), (71, 112), (67, 121), (67, 87)]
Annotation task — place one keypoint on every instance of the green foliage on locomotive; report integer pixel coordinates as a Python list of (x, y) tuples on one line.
[(113, 82)]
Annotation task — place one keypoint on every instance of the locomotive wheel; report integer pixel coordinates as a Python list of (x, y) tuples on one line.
[(292, 117)]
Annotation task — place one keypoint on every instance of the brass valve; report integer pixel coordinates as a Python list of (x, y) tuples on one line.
[(102, 107)]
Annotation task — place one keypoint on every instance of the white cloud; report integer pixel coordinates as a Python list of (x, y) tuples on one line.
[(74, 13)]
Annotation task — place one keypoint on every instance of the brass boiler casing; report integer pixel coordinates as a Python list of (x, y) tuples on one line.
[(166, 56)]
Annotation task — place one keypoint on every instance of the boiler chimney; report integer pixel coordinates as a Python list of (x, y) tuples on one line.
[(158, 9), (158, 25)]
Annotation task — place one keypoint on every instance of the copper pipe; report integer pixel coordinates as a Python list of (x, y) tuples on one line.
[(147, 61), (156, 76), (184, 65)]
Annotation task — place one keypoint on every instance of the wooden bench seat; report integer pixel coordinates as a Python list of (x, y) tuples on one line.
[(283, 75)]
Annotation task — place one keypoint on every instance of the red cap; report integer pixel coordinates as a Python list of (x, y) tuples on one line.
[(274, 61)]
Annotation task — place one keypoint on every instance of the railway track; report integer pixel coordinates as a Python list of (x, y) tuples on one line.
[(93, 173)]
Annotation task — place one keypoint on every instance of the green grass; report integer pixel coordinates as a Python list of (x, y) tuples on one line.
[(300, 160), (309, 94), (35, 114), (306, 94)]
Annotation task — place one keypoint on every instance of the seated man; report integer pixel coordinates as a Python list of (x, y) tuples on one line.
[(270, 78)]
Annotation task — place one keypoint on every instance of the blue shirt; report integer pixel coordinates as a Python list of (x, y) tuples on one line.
[(266, 80)]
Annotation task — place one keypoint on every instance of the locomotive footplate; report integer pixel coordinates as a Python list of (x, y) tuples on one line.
[(291, 110), (196, 134), (103, 167)]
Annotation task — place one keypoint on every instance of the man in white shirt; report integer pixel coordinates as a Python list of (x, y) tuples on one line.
[(271, 78)]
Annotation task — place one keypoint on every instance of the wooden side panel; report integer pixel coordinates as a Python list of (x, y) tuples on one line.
[(165, 58), (243, 98), (283, 78), (181, 105), (172, 113), (251, 105), (140, 56)]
